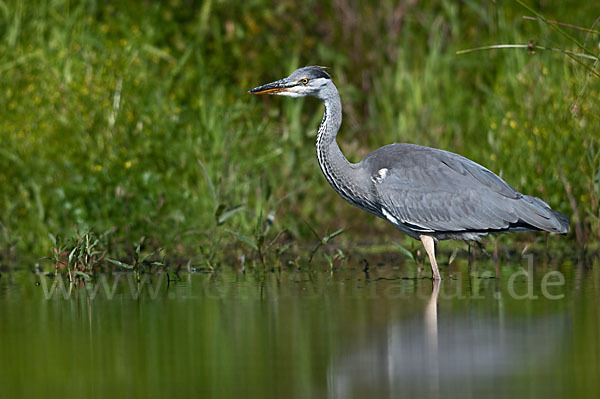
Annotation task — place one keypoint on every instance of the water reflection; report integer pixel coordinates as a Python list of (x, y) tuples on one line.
[(433, 353), (431, 341), (302, 334)]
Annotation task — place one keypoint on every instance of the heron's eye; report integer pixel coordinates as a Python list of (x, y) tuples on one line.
[(304, 81)]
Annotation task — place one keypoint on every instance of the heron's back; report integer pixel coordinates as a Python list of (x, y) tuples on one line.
[(426, 190)]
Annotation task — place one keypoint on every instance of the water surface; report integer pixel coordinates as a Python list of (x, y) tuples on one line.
[(523, 330)]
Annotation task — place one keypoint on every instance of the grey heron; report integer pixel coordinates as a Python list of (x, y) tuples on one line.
[(427, 193)]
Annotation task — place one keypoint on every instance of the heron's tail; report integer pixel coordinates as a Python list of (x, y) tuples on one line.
[(539, 215), (564, 222)]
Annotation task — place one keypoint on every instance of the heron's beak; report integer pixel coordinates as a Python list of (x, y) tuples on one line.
[(273, 87)]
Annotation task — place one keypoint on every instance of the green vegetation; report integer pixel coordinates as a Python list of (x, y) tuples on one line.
[(132, 120)]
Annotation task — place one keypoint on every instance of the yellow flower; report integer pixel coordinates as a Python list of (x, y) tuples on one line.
[(127, 164)]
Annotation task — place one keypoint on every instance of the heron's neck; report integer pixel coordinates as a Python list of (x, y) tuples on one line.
[(338, 171)]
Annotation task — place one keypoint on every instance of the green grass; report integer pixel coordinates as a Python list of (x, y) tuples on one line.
[(132, 121)]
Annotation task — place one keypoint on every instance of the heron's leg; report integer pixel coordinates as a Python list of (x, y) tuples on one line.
[(429, 245)]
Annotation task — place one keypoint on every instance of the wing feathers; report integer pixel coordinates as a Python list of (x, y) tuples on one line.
[(443, 192)]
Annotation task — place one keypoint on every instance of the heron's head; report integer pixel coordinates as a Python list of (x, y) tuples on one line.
[(307, 81)]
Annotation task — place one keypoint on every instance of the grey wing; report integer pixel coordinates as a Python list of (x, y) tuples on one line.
[(428, 190)]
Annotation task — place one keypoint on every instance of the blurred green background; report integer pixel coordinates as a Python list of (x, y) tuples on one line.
[(132, 119)]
